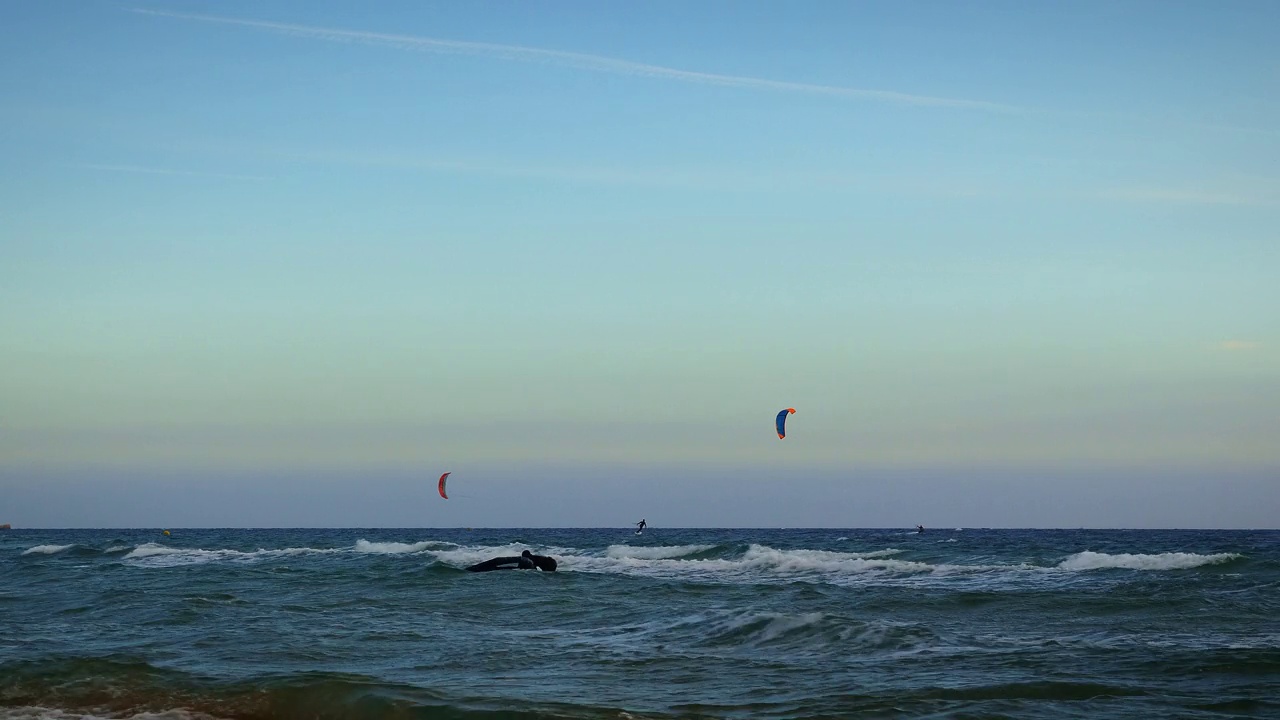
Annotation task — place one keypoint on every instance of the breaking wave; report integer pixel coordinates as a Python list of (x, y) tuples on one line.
[(736, 563), (153, 555), (1164, 561), (660, 552), (756, 562), (398, 548), (46, 549)]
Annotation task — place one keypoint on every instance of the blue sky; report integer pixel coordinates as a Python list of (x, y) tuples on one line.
[(339, 245)]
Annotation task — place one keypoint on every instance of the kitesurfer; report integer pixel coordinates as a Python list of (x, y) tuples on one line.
[(640, 526), (919, 529), (525, 561)]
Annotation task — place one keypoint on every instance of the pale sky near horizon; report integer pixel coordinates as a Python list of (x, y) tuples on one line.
[(1023, 257)]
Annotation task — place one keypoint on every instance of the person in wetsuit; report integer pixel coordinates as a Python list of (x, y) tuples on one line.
[(641, 525), (525, 561)]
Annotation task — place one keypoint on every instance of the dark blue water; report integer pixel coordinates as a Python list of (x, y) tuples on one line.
[(673, 623)]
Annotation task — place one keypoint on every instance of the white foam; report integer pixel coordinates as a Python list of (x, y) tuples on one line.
[(149, 549), (462, 556), (658, 552), (46, 549), (799, 561), (759, 561), (116, 549), (1089, 560), (780, 625), (153, 555), (399, 548), (156, 555)]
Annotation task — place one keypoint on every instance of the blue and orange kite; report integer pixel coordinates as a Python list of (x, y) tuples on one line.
[(782, 422)]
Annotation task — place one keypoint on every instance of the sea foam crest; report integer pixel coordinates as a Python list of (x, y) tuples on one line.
[(155, 555), (1089, 560), (757, 561), (399, 548), (46, 549), (658, 552), (800, 561)]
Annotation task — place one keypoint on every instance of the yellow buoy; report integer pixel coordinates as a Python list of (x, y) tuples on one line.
[(166, 532)]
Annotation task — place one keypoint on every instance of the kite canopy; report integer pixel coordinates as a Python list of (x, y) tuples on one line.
[(442, 478), (782, 422)]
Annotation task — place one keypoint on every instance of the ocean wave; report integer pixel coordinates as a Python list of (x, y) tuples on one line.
[(153, 555), (83, 688), (788, 561), (757, 561), (1089, 560), (812, 632), (726, 632), (48, 713), (399, 548), (761, 563), (728, 562), (464, 555), (46, 549), (658, 552), (157, 555)]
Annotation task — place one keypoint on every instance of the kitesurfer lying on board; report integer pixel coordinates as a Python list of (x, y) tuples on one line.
[(525, 561)]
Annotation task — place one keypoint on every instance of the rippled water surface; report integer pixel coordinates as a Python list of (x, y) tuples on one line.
[(669, 624)]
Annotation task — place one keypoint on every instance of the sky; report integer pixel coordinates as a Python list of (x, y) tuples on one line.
[(283, 263)]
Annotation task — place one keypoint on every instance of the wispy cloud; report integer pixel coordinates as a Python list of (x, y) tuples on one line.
[(164, 171), (582, 61), (1240, 345)]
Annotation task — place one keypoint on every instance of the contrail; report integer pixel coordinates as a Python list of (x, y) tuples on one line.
[(582, 61)]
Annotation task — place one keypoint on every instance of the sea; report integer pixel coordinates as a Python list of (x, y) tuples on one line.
[(673, 623)]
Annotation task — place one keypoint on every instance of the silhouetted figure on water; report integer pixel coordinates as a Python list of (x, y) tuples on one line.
[(524, 561)]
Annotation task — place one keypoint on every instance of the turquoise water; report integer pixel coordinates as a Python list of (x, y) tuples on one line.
[(728, 623)]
